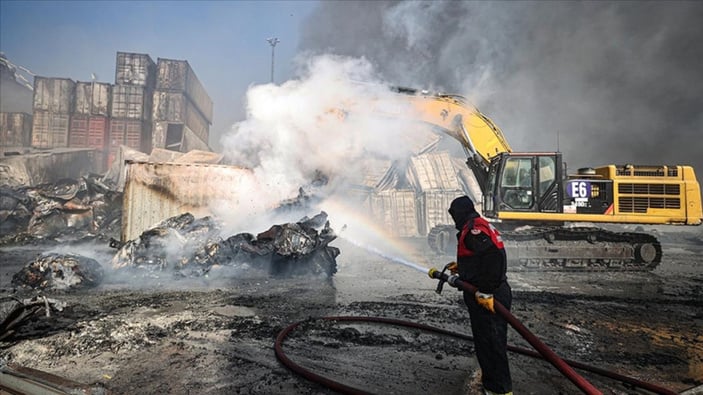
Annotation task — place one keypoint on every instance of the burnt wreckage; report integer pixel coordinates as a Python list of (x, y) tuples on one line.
[(191, 247), (89, 209), (68, 210)]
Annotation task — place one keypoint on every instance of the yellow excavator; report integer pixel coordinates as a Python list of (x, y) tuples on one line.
[(530, 197)]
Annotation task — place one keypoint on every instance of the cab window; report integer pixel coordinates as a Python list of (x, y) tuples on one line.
[(516, 183), (547, 171)]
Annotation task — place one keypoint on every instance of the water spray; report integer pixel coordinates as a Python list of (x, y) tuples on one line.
[(387, 256)]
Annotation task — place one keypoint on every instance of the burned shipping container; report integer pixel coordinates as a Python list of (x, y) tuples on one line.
[(36, 168), (135, 69), (156, 191), (92, 98), (437, 182), (178, 76), (90, 131), (192, 142), (50, 129), (433, 171), (133, 133), (15, 129), (131, 102), (175, 107), (396, 211), (433, 206), (53, 94), (176, 137)]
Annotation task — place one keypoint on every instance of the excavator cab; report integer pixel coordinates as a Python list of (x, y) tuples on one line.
[(523, 182)]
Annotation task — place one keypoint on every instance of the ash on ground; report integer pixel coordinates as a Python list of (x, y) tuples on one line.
[(213, 334)]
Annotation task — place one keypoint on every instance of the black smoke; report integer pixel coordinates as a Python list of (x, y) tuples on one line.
[(605, 82)]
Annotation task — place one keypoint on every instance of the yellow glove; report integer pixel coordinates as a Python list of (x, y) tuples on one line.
[(486, 301), (453, 267)]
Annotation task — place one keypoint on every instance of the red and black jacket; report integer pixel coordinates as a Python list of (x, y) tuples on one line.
[(481, 255)]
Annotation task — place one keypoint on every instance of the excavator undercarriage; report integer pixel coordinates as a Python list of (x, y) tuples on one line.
[(563, 248)]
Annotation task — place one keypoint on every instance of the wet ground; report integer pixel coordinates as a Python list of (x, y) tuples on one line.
[(215, 335)]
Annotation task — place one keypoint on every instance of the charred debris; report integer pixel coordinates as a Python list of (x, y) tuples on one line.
[(70, 212), (64, 211)]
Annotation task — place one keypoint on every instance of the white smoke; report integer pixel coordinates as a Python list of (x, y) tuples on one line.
[(324, 124)]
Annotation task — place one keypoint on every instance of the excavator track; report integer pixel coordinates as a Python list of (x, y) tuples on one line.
[(562, 248)]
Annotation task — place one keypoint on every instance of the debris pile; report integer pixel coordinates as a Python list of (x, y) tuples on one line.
[(59, 271), (68, 210), (15, 312), (191, 247)]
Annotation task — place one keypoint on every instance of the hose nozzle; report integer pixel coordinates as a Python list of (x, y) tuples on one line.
[(433, 273)]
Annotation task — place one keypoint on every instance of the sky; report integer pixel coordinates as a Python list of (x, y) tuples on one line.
[(603, 82)]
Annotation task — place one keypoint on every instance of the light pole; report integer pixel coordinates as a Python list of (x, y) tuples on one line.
[(273, 41)]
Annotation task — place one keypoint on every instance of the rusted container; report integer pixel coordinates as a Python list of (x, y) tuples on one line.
[(177, 108), (92, 98), (131, 102), (50, 129), (135, 69), (132, 133), (88, 131), (178, 76), (157, 191), (53, 94), (15, 129)]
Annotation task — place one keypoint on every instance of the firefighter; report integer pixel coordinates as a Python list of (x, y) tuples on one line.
[(481, 261)]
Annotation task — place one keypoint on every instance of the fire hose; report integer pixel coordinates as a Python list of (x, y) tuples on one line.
[(542, 348), (566, 367)]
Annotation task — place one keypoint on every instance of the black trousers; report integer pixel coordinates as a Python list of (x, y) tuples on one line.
[(490, 332)]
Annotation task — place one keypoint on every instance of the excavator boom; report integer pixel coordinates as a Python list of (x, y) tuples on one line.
[(481, 139)]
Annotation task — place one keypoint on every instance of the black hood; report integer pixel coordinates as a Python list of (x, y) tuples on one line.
[(462, 209)]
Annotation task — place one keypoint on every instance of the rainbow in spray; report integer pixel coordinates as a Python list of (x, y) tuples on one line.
[(362, 231)]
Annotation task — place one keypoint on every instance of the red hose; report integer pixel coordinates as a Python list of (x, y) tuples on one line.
[(345, 389), (542, 348), (334, 385)]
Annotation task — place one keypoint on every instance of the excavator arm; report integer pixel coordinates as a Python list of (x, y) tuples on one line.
[(455, 116)]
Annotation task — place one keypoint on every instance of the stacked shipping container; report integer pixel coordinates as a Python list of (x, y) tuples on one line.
[(131, 107), (182, 109), (104, 116), (135, 69), (92, 98), (89, 120), (53, 100), (15, 129)]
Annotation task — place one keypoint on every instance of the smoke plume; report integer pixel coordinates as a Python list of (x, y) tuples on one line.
[(604, 82), (320, 129)]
